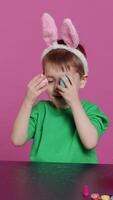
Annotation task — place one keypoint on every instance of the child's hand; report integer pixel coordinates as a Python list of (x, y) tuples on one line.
[(70, 92), (35, 87)]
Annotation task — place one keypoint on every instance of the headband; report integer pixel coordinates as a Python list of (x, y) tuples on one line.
[(69, 35)]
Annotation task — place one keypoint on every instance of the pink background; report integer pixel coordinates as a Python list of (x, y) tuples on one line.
[(21, 45)]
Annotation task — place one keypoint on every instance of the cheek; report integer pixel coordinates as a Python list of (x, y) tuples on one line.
[(50, 88), (77, 84), (77, 79)]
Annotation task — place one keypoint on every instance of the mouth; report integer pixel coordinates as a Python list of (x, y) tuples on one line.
[(58, 96)]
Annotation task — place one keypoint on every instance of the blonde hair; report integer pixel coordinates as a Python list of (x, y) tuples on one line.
[(61, 59)]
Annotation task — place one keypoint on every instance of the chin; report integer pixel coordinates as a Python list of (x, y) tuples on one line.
[(59, 103)]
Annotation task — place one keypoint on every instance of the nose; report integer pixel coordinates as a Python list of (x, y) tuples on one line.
[(55, 85)]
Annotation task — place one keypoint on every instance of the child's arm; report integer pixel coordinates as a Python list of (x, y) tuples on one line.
[(87, 132), (20, 129)]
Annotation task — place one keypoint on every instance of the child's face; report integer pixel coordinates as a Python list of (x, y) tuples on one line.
[(54, 76)]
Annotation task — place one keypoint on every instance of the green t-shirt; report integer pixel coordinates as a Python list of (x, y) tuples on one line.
[(54, 133)]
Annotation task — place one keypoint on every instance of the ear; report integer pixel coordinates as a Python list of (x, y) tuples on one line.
[(83, 81), (49, 29), (69, 33)]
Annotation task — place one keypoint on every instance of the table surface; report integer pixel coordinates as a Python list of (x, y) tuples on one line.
[(53, 181)]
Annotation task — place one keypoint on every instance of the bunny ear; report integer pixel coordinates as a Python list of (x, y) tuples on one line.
[(69, 33), (49, 29)]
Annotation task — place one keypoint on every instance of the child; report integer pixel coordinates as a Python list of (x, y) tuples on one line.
[(63, 128)]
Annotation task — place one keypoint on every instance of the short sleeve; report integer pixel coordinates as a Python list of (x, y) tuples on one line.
[(98, 118), (33, 121)]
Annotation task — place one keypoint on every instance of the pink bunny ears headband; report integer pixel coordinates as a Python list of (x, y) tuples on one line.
[(69, 35)]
